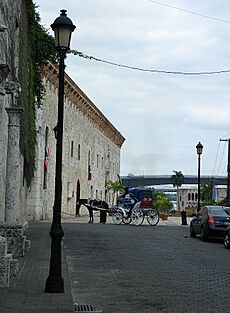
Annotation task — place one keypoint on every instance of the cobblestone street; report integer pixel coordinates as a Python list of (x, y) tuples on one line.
[(123, 268)]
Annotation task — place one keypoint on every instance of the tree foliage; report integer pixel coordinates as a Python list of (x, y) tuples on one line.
[(115, 187), (177, 179), (36, 48), (162, 202)]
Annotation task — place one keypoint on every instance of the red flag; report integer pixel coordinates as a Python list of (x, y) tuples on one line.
[(46, 158)]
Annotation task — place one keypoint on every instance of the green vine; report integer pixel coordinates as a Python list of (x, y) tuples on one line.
[(37, 48)]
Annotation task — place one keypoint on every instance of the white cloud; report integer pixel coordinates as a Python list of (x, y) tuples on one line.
[(162, 116)]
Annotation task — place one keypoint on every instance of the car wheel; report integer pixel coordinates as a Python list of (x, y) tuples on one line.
[(192, 233), (227, 242), (203, 235)]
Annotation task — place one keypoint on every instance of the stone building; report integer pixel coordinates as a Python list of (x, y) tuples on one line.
[(12, 217), (91, 150)]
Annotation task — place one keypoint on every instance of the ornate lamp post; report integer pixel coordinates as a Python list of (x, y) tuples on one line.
[(63, 28), (199, 150)]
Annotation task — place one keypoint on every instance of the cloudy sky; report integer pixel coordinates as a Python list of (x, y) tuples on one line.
[(162, 116)]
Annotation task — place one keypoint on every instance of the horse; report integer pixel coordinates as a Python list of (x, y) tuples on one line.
[(97, 205)]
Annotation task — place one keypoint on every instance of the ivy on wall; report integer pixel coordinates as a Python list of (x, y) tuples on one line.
[(37, 47)]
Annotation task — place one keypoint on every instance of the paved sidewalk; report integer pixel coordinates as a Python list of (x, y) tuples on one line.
[(27, 294)]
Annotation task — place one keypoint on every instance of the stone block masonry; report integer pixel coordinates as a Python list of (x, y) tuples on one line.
[(13, 245)]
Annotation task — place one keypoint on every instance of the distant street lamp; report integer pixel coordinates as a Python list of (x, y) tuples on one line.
[(199, 150), (63, 28)]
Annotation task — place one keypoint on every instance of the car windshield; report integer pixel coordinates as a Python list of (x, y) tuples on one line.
[(219, 211)]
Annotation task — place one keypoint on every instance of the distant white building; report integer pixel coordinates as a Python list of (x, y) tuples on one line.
[(187, 198)]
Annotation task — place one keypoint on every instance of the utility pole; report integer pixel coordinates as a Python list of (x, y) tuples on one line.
[(228, 170)]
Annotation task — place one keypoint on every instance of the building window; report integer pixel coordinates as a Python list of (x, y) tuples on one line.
[(97, 160), (71, 149), (96, 194), (79, 152), (102, 163), (45, 177), (192, 196), (17, 52), (89, 167), (189, 196)]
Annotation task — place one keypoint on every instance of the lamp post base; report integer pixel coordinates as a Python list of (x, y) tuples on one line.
[(54, 282), (54, 285)]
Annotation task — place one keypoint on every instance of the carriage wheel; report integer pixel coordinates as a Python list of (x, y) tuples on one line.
[(153, 217), (137, 217), (117, 218)]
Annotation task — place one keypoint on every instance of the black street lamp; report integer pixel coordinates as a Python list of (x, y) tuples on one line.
[(63, 28), (199, 150)]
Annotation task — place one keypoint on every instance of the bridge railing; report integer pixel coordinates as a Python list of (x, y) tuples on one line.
[(149, 180)]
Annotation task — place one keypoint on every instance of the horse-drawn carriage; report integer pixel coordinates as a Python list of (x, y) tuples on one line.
[(135, 207)]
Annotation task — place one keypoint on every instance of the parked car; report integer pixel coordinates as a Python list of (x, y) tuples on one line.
[(211, 221), (227, 238)]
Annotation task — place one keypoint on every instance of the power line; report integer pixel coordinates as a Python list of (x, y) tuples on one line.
[(221, 160), (218, 148), (226, 135), (191, 12), (224, 169), (135, 68), (214, 167)]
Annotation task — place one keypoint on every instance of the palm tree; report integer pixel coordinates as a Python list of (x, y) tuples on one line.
[(177, 180), (116, 187)]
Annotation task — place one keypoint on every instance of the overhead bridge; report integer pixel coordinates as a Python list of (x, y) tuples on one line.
[(148, 180)]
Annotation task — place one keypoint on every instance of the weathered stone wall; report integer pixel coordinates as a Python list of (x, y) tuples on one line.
[(79, 130), (82, 126), (9, 16), (10, 12), (11, 243), (12, 25), (40, 200)]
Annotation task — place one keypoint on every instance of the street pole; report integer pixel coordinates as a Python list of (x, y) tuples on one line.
[(199, 150), (54, 282), (228, 170), (198, 178), (63, 27)]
